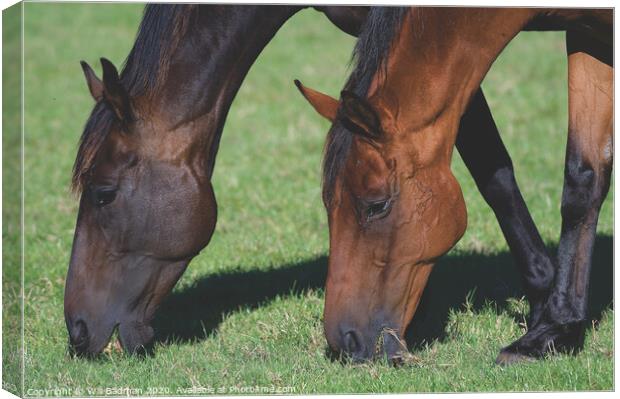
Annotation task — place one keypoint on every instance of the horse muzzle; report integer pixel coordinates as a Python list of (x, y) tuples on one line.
[(87, 339), (78, 337), (358, 347)]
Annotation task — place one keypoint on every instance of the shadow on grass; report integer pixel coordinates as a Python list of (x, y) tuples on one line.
[(196, 312), (494, 278)]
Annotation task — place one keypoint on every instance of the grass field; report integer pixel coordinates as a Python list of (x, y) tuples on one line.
[(248, 310)]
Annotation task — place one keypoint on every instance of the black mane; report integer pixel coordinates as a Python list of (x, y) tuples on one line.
[(370, 53), (144, 69), (373, 45), (161, 29)]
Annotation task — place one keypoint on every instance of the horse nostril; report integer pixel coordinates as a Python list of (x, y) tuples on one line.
[(79, 335), (351, 342)]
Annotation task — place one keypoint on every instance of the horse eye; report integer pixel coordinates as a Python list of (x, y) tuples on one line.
[(379, 209), (103, 196)]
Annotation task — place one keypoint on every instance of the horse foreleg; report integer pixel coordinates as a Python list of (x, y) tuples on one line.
[(485, 156), (587, 173)]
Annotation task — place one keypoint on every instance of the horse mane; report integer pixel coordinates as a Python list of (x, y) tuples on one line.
[(370, 53), (145, 68), (161, 29)]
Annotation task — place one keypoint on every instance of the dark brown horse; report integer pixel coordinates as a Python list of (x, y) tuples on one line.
[(393, 204), (146, 158)]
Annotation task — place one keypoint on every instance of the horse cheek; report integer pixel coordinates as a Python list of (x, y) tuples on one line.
[(449, 216)]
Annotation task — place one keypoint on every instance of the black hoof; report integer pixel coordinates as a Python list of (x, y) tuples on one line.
[(544, 339), (507, 358)]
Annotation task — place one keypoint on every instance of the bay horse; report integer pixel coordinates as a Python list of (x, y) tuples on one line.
[(392, 201), (146, 158)]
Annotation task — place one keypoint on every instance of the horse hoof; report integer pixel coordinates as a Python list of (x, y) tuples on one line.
[(506, 358)]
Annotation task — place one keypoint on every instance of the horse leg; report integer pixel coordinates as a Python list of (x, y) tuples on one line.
[(489, 163), (589, 152)]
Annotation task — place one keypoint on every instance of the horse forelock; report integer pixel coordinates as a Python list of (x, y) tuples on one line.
[(145, 69), (370, 56), (97, 129)]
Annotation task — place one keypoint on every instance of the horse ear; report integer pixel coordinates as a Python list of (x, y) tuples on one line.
[(325, 105), (357, 115), (114, 92), (95, 86)]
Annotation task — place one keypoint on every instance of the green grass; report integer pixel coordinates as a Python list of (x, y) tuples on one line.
[(11, 199), (248, 310)]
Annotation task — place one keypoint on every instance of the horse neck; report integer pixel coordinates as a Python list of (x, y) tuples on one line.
[(436, 63), (209, 65)]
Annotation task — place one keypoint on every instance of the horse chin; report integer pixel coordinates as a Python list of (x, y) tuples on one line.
[(387, 345), (394, 348), (135, 336)]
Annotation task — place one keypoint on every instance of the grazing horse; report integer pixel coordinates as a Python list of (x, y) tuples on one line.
[(392, 201), (146, 157)]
